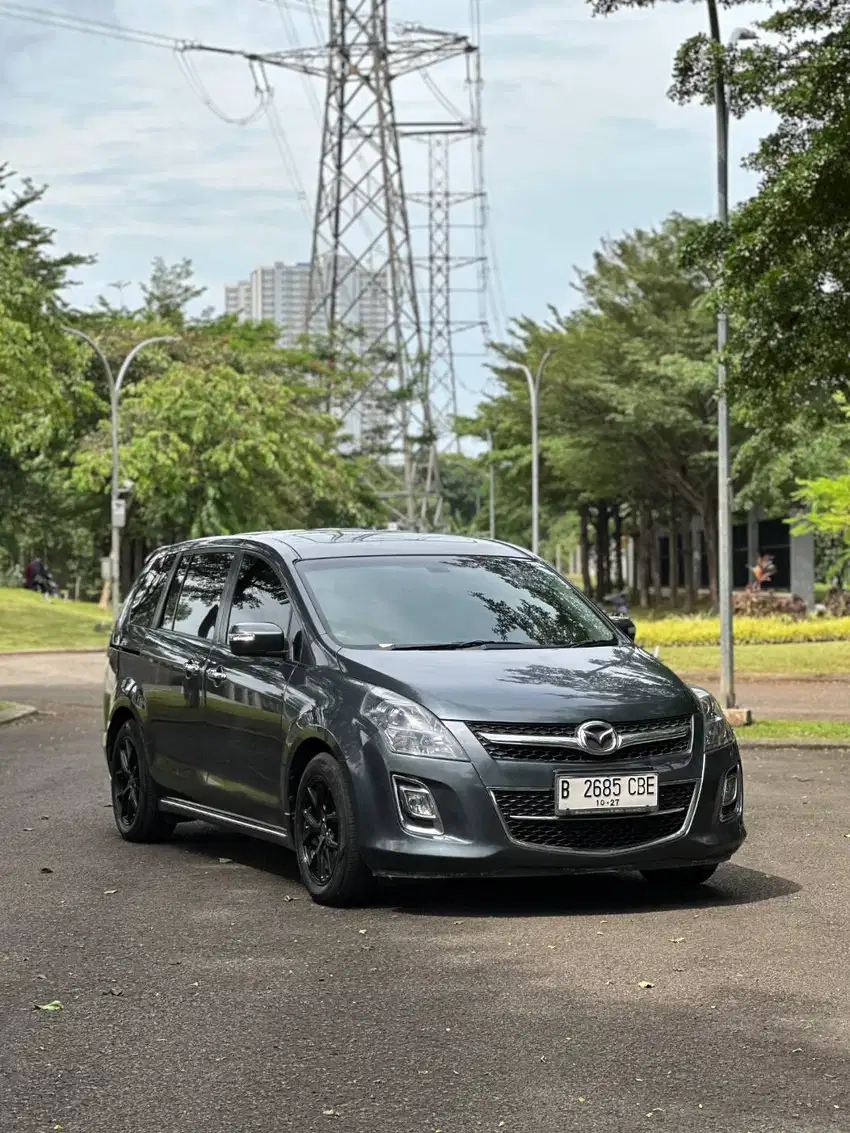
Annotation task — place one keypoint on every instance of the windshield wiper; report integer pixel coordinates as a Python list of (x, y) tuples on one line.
[(476, 643)]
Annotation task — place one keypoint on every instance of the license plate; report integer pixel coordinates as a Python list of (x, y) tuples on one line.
[(605, 792)]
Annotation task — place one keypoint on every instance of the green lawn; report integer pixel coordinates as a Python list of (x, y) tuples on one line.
[(796, 730), (805, 658), (27, 621)]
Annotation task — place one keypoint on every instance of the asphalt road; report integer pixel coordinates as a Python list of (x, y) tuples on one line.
[(202, 995)]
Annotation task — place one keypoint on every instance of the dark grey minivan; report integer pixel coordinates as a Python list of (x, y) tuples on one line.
[(403, 705)]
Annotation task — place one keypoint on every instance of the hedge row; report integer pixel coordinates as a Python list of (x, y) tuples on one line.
[(748, 631)]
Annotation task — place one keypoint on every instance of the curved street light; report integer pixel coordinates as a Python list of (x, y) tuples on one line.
[(116, 512), (534, 397)]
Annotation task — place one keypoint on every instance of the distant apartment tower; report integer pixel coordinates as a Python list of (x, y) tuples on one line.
[(237, 299), (281, 293)]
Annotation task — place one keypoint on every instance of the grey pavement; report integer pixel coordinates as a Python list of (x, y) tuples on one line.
[(203, 995)]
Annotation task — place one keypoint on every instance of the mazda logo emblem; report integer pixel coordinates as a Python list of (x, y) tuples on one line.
[(598, 738)]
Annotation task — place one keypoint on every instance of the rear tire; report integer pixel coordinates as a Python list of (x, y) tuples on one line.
[(326, 836), (134, 798), (679, 879)]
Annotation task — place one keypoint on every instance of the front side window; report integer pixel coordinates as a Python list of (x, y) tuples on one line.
[(199, 602), (144, 600), (430, 600), (259, 595)]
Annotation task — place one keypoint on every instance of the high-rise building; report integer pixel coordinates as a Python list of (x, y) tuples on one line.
[(280, 294), (237, 299)]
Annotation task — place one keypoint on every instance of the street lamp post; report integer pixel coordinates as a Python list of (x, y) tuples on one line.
[(533, 397), (724, 462), (491, 478), (117, 516)]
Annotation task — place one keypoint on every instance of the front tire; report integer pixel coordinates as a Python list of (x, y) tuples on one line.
[(679, 880), (326, 839), (134, 799)]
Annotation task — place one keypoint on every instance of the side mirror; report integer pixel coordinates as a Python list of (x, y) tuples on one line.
[(257, 639), (626, 626)]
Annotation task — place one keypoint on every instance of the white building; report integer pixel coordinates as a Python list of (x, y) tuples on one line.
[(280, 294)]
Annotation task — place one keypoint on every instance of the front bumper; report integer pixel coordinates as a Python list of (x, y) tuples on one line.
[(478, 838)]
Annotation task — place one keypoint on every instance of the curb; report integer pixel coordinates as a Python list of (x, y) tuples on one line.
[(765, 678), (16, 712), (799, 745), (56, 652)]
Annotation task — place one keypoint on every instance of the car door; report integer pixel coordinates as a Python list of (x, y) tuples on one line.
[(180, 647), (245, 698)]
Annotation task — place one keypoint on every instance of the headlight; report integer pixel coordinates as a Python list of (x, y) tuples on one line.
[(407, 728), (716, 728)]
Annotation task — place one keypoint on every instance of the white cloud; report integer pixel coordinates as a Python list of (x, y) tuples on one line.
[(581, 138)]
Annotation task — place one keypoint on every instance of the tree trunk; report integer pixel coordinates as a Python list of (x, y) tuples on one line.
[(674, 558), (618, 549), (709, 522), (655, 561), (601, 550), (690, 586), (643, 555), (585, 552)]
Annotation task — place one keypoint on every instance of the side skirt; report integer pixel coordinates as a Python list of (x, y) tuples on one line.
[(196, 812)]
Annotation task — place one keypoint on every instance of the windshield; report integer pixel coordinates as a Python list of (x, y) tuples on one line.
[(427, 600)]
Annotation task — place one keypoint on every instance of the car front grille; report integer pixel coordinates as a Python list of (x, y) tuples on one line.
[(530, 817), (558, 743)]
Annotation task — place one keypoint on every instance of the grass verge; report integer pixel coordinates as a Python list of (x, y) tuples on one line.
[(791, 731), (28, 621), (805, 658)]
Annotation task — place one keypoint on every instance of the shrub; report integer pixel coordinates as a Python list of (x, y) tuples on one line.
[(761, 630), (767, 603), (838, 603)]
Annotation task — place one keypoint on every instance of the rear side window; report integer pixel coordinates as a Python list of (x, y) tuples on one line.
[(145, 597), (259, 595), (201, 594)]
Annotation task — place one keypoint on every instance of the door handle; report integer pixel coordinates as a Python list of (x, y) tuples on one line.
[(191, 669), (216, 674)]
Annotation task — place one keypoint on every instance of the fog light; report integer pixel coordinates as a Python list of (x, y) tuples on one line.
[(730, 790), (417, 808)]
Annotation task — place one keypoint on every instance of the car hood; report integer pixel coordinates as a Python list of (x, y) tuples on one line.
[(616, 683)]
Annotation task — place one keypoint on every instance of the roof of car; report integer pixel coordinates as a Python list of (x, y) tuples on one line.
[(350, 543)]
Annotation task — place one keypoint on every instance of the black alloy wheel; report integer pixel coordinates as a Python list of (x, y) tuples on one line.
[(134, 796), (125, 782), (326, 841), (320, 824)]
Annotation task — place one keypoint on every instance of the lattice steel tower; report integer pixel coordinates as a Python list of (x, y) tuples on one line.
[(361, 185)]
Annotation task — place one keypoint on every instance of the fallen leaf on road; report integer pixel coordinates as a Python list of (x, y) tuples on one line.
[(581, 1100), (54, 1005), (797, 1050), (362, 931), (330, 1113), (113, 991), (677, 940), (225, 861), (28, 829), (109, 892), (45, 869), (645, 984)]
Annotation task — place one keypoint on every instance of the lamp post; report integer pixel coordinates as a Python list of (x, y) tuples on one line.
[(533, 397), (491, 478), (117, 505), (724, 462)]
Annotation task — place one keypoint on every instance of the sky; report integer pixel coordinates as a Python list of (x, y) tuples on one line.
[(581, 143)]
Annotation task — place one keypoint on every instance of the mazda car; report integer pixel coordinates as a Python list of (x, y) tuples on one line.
[(396, 705)]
